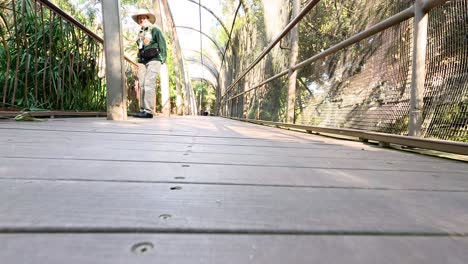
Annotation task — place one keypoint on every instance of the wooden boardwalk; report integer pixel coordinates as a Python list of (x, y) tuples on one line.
[(213, 190)]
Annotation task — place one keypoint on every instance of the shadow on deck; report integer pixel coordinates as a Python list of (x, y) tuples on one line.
[(213, 190)]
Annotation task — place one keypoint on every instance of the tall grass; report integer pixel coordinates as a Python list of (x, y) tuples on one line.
[(46, 62)]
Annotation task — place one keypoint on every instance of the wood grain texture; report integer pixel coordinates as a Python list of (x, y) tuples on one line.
[(230, 249), (113, 205), (131, 171), (212, 190)]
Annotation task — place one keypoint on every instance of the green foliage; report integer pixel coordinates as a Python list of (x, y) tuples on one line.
[(171, 69), (50, 63), (83, 11), (274, 103), (450, 122), (206, 93), (329, 23)]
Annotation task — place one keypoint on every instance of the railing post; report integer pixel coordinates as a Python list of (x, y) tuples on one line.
[(419, 69), (164, 71), (116, 93), (292, 75)]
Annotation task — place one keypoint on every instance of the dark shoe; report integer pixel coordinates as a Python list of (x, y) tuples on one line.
[(143, 114)]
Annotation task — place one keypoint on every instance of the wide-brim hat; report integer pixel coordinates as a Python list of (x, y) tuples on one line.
[(143, 12)]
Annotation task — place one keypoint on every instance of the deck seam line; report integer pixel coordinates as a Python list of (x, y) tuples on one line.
[(238, 184), (129, 230), (129, 133), (218, 164)]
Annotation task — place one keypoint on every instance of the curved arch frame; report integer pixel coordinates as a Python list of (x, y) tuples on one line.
[(204, 34), (205, 80), (212, 13), (212, 70), (210, 59)]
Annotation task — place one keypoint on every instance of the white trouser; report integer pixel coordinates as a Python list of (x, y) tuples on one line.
[(147, 75)]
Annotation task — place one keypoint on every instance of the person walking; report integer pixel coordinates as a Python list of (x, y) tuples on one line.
[(151, 55)]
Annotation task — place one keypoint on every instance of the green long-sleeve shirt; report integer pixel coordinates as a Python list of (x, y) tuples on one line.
[(152, 37)]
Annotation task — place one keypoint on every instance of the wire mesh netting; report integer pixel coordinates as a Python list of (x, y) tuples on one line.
[(446, 89), (367, 85), (364, 86), (259, 24)]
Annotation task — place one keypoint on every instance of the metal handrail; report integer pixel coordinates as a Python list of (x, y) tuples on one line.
[(76, 23), (387, 23), (391, 21), (427, 5), (283, 33), (61, 72), (419, 11), (70, 19)]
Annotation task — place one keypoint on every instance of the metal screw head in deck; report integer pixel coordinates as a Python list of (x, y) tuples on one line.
[(142, 248)]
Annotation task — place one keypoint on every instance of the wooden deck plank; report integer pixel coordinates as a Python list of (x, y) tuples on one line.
[(329, 151), (83, 189), (127, 171), (296, 144), (227, 249), (71, 205), (258, 160), (269, 153)]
